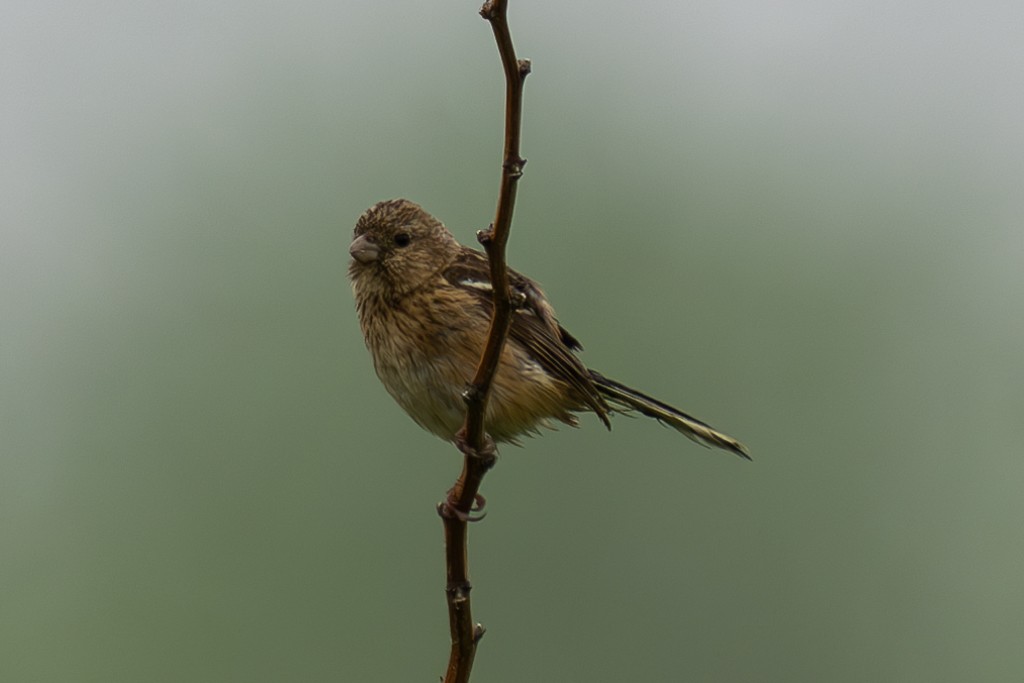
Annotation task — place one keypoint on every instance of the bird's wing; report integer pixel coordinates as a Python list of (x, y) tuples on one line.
[(534, 326)]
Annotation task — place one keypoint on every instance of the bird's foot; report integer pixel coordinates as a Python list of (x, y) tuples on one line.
[(487, 454), (448, 508)]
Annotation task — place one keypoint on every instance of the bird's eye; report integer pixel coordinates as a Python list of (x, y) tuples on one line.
[(402, 239)]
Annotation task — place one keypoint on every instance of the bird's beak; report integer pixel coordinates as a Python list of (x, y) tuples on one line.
[(363, 250)]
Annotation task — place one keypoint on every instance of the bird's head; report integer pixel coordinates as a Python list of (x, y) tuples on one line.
[(397, 246)]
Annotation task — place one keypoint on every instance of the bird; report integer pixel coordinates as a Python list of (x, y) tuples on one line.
[(424, 304)]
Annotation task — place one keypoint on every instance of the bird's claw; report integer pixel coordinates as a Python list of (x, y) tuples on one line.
[(448, 508), (487, 453)]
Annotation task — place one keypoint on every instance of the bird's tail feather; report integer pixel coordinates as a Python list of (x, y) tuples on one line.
[(623, 396)]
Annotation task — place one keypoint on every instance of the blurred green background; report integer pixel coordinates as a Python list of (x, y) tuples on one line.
[(799, 221)]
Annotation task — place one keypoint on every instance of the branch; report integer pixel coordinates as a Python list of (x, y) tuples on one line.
[(495, 237), (478, 449)]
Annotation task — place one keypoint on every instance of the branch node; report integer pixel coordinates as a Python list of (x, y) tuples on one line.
[(514, 167), (485, 237), (459, 592), (525, 66), (478, 632), (471, 394), (489, 11)]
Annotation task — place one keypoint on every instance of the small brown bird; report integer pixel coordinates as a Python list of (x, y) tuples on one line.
[(424, 304)]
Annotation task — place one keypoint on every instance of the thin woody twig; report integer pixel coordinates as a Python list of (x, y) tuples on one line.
[(463, 500), (495, 237)]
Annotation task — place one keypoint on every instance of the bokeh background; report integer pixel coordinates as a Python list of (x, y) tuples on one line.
[(800, 221)]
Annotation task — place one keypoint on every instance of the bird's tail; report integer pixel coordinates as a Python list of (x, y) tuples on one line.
[(622, 396)]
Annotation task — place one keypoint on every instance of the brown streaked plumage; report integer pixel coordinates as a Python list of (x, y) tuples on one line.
[(424, 304)]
